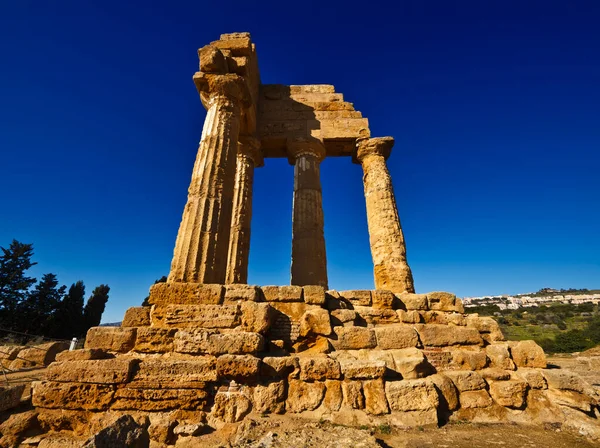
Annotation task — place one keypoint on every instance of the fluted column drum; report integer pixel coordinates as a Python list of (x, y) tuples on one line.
[(202, 244), (309, 260), (248, 157), (386, 238)]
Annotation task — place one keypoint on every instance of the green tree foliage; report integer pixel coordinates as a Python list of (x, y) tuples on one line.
[(69, 315), (43, 309), (163, 279), (14, 284), (92, 313), (39, 308)]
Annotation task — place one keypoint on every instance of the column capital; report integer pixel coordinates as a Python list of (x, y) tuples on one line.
[(230, 86), (249, 147), (379, 146), (299, 147)]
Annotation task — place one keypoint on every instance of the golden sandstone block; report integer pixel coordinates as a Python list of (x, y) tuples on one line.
[(211, 349)]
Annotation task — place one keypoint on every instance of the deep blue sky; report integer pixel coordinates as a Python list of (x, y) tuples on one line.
[(495, 107)]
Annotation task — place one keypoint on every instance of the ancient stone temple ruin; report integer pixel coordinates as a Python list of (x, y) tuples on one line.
[(212, 350)]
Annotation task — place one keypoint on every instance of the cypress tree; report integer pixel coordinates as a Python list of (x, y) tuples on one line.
[(41, 305), (14, 284), (92, 313), (69, 316)]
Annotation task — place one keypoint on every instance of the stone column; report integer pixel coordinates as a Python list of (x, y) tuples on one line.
[(385, 232), (309, 262), (202, 244), (248, 157)]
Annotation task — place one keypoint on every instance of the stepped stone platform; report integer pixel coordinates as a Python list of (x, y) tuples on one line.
[(203, 356), (213, 351)]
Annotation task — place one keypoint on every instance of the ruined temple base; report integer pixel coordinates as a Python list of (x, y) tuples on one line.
[(206, 357)]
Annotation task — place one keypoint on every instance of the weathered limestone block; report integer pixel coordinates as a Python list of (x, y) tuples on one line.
[(269, 398), (304, 396), (375, 401), (316, 322), (83, 354), (444, 301), (410, 316), (469, 359), (410, 363), (363, 370), (104, 371), (354, 338), (412, 301), (353, 395), (231, 407), (114, 339), (510, 394), (212, 60), (290, 293), (457, 319), (570, 399), (241, 292), (10, 397), (17, 425), (475, 399), (443, 335), (465, 380), (435, 317), (256, 317), (566, 380), (333, 395), (358, 297), (161, 428), (411, 395), (240, 368), (154, 340), (157, 400), (484, 324), (193, 341), (396, 337), (286, 320), (204, 316), (384, 300), (313, 345), (334, 301), (137, 316), (186, 293), (314, 294), (236, 343), (495, 374), (374, 317), (63, 420), (499, 356), (281, 367), (159, 373), (448, 394), (188, 429), (201, 341), (487, 326), (38, 356), (343, 317), (91, 397), (8, 353), (534, 378), (528, 354), (439, 357), (319, 368)]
